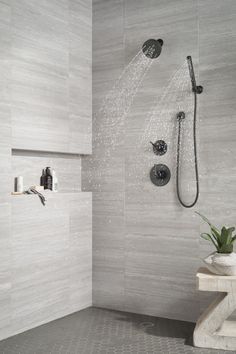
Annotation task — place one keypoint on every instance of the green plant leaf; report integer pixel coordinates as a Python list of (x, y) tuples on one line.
[(224, 236), (217, 236), (208, 222), (222, 240), (230, 231), (208, 237), (233, 239)]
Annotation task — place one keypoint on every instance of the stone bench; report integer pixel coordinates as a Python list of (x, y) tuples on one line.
[(212, 329)]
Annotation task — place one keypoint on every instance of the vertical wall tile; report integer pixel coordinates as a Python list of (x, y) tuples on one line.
[(80, 251), (80, 76), (51, 268), (5, 170), (5, 271), (105, 176), (51, 71), (40, 56)]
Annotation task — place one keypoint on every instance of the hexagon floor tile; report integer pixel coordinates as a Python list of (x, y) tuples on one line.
[(100, 331)]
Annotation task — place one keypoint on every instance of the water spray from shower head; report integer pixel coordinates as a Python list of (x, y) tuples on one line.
[(152, 48)]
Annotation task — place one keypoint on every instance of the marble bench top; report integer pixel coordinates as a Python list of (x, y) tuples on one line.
[(207, 281)]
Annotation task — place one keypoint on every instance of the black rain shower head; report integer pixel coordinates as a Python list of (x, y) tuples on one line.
[(152, 48)]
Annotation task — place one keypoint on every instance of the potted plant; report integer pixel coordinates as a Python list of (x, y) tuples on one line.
[(223, 261)]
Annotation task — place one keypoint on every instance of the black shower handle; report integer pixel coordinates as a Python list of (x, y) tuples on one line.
[(159, 147)]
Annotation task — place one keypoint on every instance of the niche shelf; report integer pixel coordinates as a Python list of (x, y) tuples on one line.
[(29, 164)]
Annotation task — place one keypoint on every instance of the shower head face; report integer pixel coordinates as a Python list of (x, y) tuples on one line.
[(152, 48)]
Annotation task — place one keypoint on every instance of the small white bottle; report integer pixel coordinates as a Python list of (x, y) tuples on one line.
[(19, 184), (54, 182)]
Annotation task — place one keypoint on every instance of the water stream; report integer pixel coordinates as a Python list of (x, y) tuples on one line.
[(108, 124), (109, 120)]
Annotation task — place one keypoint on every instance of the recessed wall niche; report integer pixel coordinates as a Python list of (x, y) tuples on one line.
[(29, 164)]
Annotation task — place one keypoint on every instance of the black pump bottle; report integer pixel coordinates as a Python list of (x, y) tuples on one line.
[(48, 179)]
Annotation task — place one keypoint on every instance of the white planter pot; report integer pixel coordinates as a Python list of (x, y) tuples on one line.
[(221, 263)]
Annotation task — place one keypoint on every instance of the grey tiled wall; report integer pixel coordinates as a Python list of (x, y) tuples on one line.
[(45, 105), (146, 247)]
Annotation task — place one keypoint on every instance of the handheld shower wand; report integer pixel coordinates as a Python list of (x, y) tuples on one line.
[(181, 116), (195, 88)]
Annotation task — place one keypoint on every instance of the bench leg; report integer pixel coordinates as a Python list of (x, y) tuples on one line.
[(212, 330)]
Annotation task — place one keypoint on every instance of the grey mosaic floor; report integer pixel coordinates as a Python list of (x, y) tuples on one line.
[(99, 331)]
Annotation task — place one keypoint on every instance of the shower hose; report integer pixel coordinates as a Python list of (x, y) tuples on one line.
[(195, 158)]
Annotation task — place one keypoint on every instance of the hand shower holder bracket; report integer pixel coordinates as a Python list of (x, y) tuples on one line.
[(199, 89)]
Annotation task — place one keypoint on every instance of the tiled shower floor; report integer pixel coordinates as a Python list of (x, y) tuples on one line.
[(99, 331)]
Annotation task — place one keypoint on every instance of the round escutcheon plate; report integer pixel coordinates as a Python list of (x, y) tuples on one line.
[(160, 175)]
